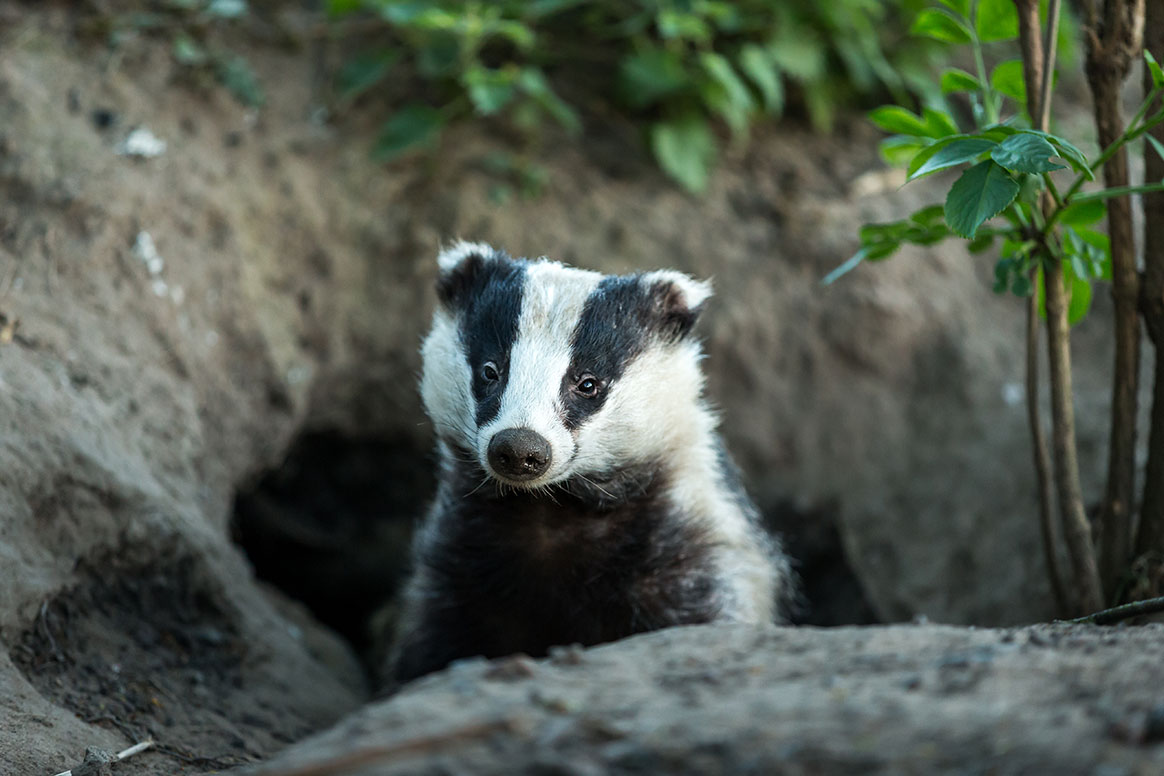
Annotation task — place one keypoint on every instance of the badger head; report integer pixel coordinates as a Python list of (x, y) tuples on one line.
[(540, 373)]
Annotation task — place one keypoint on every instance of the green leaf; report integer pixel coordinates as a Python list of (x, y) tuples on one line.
[(440, 57), (188, 52), (408, 127), (1026, 153), (939, 25), (236, 75), (897, 150), (898, 120), (960, 7), (1154, 69), (981, 193), (1080, 289), (337, 8), (997, 20), (516, 33), (799, 52), (939, 124), (1082, 213), (1156, 145), (1021, 285), (731, 98), (982, 243), (1007, 78), (1066, 151), (363, 72), (761, 71), (533, 82), (685, 149), (955, 80), (677, 25), (489, 90), (928, 216), (961, 150), (649, 75)]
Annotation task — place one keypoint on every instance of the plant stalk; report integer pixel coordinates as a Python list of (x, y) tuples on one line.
[(1112, 45), (1036, 64), (1041, 459), (1151, 532), (1076, 529)]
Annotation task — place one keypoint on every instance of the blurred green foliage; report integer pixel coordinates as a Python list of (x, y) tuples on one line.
[(681, 69), (1006, 164), (692, 75)]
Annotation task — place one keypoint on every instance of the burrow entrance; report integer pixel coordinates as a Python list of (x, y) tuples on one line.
[(331, 527)]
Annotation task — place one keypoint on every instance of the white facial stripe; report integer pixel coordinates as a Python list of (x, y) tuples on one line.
[(649, 412), (446, 383), (553, 299)]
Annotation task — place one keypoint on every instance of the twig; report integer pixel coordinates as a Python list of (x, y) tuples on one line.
[(379, 754), (1117, 613), (1041, 459), (1050, 44), (124, 754)]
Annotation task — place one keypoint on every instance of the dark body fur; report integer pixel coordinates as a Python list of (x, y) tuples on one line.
[(523, 572)]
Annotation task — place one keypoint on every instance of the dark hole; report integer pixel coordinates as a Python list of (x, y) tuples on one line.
[(831, 593), (331, 527)]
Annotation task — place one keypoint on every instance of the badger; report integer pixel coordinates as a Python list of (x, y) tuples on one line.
[(583, 493)]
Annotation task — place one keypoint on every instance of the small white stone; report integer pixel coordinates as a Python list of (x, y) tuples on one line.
[(147, 251), (142, 144), (298, 374), (1013, 393), (160, 287), (178, 294)]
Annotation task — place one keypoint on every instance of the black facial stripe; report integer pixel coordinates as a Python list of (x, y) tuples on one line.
[(492, 297), (602, 349)]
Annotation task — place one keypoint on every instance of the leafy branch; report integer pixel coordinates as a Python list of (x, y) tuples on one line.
[(1050, 250)]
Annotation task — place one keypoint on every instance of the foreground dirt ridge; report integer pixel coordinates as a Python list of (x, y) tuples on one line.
[(706, 700)]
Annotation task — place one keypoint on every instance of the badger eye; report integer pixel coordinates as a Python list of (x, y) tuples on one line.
[(587, 387), (489, 372)]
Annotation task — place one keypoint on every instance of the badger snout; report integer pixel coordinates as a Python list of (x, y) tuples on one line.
[(519, 454)]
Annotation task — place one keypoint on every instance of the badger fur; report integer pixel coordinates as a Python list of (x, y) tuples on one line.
[(584, 494)]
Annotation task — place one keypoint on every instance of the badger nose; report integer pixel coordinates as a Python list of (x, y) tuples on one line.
[(519, 453)]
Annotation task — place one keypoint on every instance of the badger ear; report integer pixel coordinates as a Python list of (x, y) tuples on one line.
[(460, 264), (677, 300)]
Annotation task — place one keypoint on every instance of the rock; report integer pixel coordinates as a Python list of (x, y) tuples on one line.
[(718, 699)]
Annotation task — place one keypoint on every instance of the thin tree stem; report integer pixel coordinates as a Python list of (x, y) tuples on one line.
[(1151, 532), (1041, 459), (1076, 529), (1043, 122), (1112, 45), (1037, 73)]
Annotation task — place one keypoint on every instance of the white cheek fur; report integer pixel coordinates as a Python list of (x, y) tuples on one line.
[(446, 384), (648, 413)]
